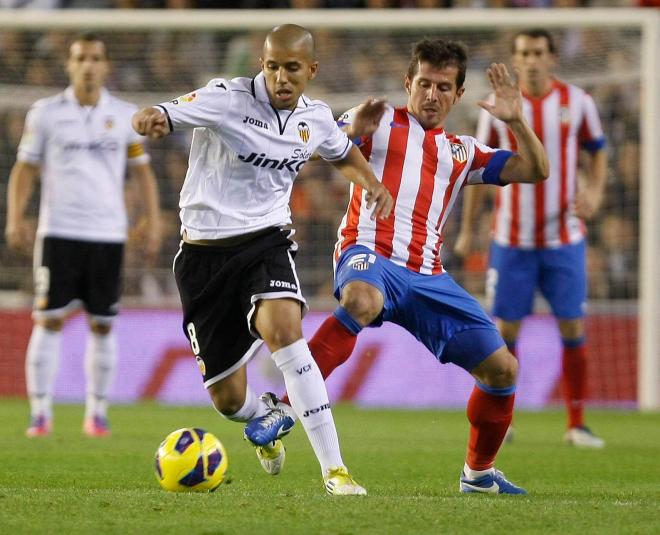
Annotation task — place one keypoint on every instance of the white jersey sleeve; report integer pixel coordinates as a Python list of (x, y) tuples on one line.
[(336, 143), (204, 107), (33, 142), (591, 134)]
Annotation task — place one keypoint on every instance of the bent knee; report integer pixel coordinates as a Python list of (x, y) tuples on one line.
[(225, 402), (505, 373), (500, 370), (364, 303)]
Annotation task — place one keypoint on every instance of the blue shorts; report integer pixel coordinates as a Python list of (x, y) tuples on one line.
[(559, 274), (433, 308)]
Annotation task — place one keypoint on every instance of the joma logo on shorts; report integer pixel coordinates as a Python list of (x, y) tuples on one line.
[(255, 122), (260, 160), (283, 284), (316, 410)]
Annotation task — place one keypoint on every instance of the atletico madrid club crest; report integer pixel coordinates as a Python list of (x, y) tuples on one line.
[(303, 131), (458, 152)]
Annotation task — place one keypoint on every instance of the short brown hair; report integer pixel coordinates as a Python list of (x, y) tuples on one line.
[(90, 37), (535, 33), (439, 53)]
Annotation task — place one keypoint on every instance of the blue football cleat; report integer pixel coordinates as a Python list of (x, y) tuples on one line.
[(273, 425), (492, 483)]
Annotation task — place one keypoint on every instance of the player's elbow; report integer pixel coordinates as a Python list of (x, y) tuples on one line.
[(538, 170), (543, 169)]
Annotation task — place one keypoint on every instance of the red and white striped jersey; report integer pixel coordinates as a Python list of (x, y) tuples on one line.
[(424, 170), (535, 216)]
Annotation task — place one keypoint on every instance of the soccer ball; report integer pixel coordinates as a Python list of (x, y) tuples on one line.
[(190, 459)]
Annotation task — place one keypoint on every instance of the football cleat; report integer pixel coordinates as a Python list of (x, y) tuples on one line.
[(272, 457), (276, 423), (96, 426), (491, 483), (338, 482), (583, 437), (40, 426)]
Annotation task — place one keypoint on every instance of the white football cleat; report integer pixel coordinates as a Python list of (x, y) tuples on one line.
[(271, 457), (582, 437)]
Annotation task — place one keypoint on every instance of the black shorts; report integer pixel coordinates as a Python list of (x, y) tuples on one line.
[(66, 271), (219, 288)]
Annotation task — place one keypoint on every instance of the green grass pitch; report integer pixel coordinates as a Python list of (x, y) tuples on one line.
[(408, 460)]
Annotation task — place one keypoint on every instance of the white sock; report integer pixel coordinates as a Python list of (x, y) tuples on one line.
[(252, 408), (474, 474), (309, 399), (100, 364), (43, 354)]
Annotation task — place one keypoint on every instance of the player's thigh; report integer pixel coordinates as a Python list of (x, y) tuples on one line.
[(271, 297), (360, 264), (102, 285), (563, 280), (58, 274), (213, 320), (448, 321), (511, 281)]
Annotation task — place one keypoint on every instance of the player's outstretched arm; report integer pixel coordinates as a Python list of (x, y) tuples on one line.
[(366, 118), (151, 122), (356, 169), (18, 233), (530, 164)]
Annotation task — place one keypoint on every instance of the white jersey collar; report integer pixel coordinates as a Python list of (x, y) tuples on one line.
[(70, 96), (261, 93)]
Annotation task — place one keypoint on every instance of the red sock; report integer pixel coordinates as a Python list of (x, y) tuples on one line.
[(511, 346), (574, 381), (331, 346), (489, 416)]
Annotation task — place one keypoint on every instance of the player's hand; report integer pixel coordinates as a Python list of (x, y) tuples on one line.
[(382, 199), (19, 236), (508, 100), (586, 204), (151, 122), (367, 117), (463, 246)]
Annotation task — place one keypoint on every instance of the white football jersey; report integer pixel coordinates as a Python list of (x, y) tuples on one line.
[(83, 153), (245, 155)]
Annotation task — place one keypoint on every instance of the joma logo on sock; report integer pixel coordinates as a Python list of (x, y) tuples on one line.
[(316, 410), (304, 369)]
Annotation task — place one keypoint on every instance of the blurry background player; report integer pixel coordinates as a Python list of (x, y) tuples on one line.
[(390, 270), (538, 237), (79, 142), (235, 270)]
